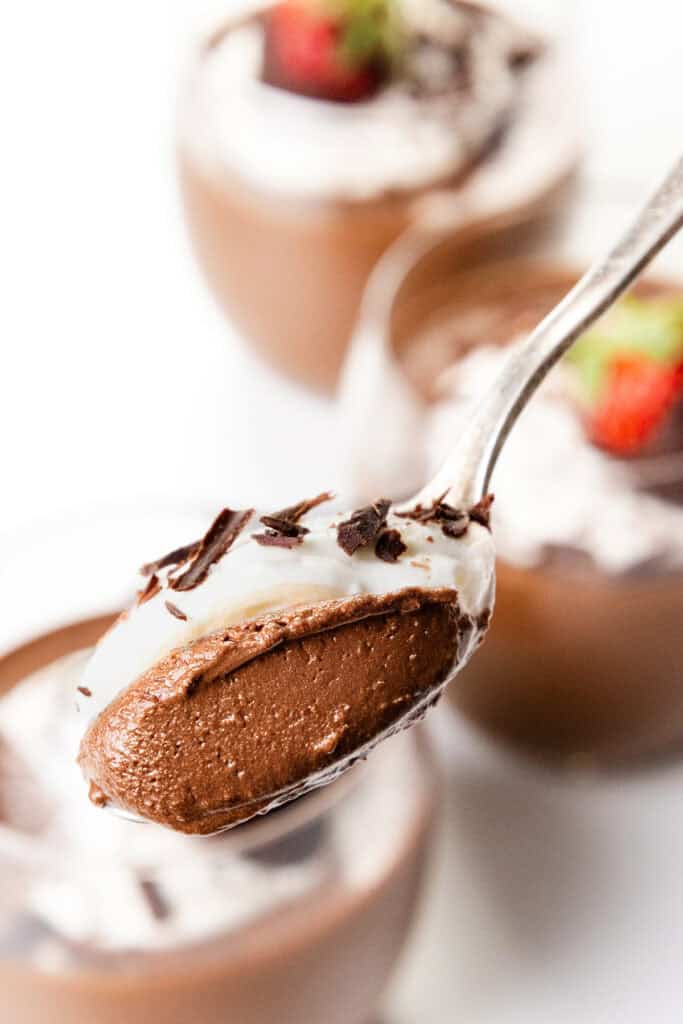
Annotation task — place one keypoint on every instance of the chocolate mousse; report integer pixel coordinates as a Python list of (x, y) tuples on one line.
[(259, 707), (583, 658), (278, 665), (309, 131)]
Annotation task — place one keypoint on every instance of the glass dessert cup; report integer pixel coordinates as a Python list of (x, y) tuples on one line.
[(290, 276), (581, 660), (578, 663), (299, 915), (289, 270)]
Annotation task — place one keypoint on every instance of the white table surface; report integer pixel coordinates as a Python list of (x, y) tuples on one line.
[(123, 388), (554, 900)]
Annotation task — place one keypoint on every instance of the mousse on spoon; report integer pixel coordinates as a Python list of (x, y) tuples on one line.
[(266, 658), (263, 660)]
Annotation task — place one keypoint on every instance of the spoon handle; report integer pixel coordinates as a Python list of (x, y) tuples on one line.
[(466, 474)]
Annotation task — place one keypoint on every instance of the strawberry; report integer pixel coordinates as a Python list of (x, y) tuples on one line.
[(637, 395), (647, 327), (337, 51), (628, 372)]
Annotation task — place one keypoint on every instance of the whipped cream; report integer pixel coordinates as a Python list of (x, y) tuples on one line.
[(251, 580), (403, 138), (83, 882), (553, 487)]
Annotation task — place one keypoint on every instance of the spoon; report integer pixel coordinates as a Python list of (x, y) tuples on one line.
[(248, 717)]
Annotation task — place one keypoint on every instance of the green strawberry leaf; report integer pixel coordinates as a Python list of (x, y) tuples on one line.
[(651, 328), (372, 30)]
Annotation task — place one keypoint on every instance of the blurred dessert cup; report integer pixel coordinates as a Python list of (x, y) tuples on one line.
[(297, 173), (300, 915), (583, 656)]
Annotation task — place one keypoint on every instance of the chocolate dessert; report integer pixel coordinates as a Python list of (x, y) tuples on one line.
[(307, 133), (104, 920), (584, 655), (267, 658)]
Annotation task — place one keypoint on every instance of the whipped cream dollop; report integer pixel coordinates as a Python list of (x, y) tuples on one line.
[(457, 87), (251, 580), (554, 489)]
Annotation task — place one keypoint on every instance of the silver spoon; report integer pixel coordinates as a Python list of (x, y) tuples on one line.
[(464, 479), (466, 474)]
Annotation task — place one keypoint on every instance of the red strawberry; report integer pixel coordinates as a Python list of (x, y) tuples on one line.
[(638, 394), (304, 53)]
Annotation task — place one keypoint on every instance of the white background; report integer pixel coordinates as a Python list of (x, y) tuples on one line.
[(554, 902)]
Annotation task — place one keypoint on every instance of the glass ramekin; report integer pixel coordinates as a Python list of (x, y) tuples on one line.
[(302, 918)]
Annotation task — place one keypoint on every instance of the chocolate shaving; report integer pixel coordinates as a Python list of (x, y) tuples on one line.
[(284, 527), (428, 514), (177, 557), (363, 526), (158, 906), (175, 610), (84, 690), (294, 513), (153, 587), (481, 512), (483, 618), (455, 528), (285, 523), (270, 539), (453, 521), (389, 546), (220, 536)]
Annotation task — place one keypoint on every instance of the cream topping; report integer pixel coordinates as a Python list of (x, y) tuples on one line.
[(251, 580), (553, 487), (400, 139)]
